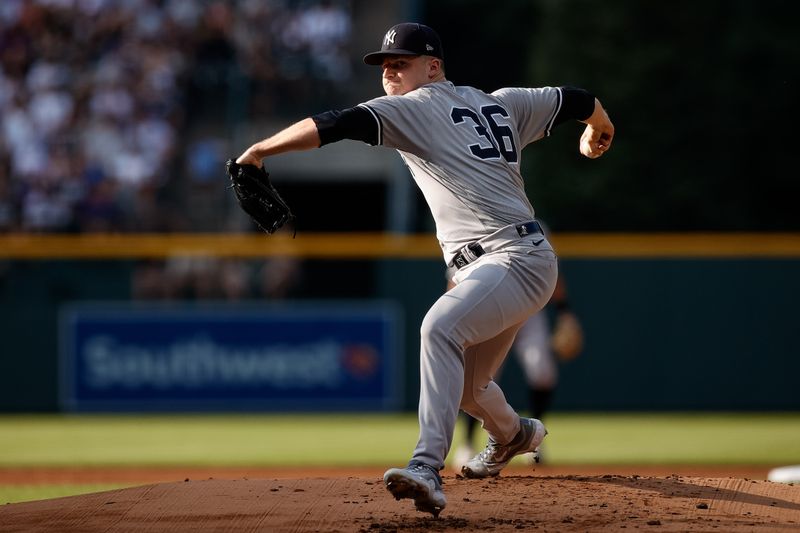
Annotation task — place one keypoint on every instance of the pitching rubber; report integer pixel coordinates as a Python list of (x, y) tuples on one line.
[(785, 474)]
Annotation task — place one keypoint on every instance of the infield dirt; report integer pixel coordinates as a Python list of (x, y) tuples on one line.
[(548, 499)]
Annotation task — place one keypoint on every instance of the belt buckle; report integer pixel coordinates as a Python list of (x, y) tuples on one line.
[(468, 254), (459, 261)]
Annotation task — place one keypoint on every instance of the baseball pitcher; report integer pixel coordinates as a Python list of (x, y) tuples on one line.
[(463, 148)]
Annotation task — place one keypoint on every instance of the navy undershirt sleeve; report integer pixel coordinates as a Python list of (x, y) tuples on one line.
[(355, 123), (576, 104)]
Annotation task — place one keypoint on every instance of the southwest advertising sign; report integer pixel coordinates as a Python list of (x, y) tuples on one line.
[(311, 356)]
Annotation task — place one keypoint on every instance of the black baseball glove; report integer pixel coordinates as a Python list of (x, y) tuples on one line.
[(257, 196)]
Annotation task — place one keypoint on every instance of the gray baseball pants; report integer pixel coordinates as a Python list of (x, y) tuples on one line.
[(465, 337)]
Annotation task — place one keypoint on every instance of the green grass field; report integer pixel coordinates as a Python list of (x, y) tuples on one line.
[(373, 440)]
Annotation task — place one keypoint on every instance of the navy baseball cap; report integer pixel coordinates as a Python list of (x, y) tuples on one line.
[(407, 39)]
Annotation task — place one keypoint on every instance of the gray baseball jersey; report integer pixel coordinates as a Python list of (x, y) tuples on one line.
[(463, 147)]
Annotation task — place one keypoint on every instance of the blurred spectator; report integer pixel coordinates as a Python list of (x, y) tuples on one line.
[(326, 30), (95, 96), (149, 281), (235, 277), (192, 277), (312, 52), (281, 277), (100, 210), (214, 61), (8, 205)]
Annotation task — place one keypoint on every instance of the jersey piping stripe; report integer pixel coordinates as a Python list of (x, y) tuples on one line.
[(555, 113), (377, 120)]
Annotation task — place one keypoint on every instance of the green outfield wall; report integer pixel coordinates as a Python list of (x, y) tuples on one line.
[(661, 333)]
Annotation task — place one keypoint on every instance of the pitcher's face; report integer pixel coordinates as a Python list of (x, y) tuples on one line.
[(403, 74)]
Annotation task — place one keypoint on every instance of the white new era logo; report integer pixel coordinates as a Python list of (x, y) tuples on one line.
[(389, 39), (428, 47)]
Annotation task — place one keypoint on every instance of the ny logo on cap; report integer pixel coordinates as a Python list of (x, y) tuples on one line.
[(389, 39)]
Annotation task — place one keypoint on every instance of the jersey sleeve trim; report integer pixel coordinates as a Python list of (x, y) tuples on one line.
[(552, 121), (577, 104), (378, 122), (356, 123)]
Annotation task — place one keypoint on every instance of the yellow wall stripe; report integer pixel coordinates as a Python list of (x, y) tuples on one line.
[(387, 245)]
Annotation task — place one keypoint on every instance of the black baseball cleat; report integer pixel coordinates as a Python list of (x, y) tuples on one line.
[(421, 483)]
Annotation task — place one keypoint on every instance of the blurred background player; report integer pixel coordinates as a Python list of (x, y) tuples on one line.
[(538, 348)]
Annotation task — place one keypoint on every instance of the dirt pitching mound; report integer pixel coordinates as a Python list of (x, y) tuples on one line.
[(345, 504)]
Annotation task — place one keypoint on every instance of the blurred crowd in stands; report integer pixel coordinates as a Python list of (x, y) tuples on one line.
[(214, 278), (106, 106)]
